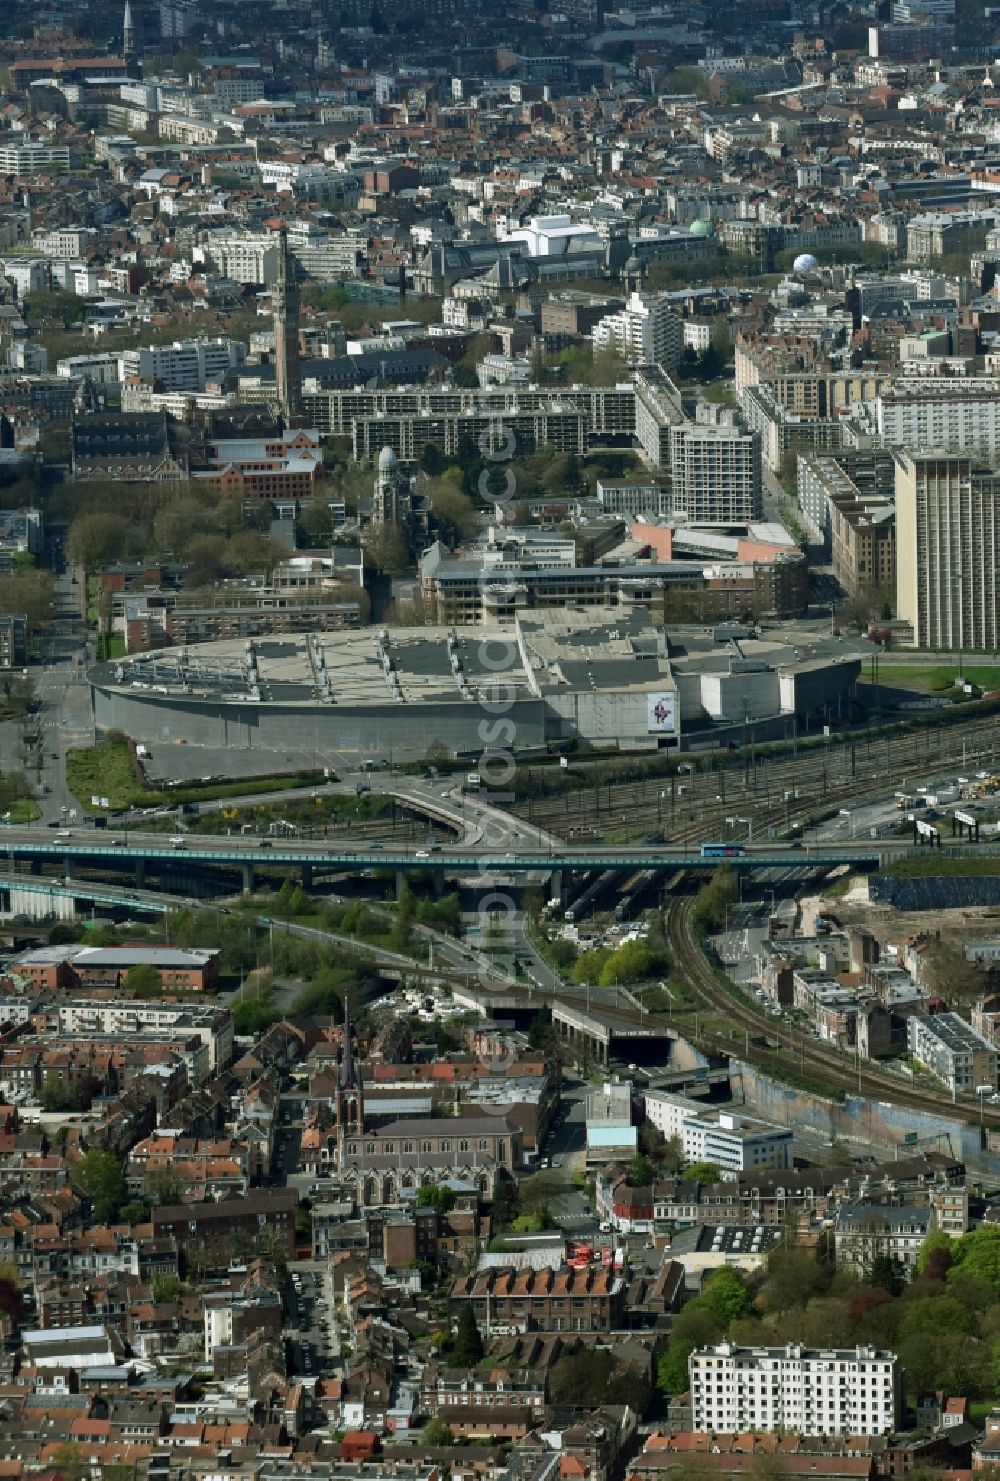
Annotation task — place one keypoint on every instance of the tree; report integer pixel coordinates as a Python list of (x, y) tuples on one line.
[(316, 522), (635, 961), (581, 1378), (672, 1155), (143, 981), (166, 1288), (248, 552), (453, 508), (97, 539), (540, 1028), (58, 1095), (436, 1432), (437, 1196), (30, 592), (640, 1171), (99, 1177), (713, 900), (947, 972), (164, 1187), (432, 460), (792, 1277), (206, 559), (725, 1296), (936, 1243), (702, 1172), (693, 1327), (978, 1253), (386, 547), (889, 1272), (467, 1349)]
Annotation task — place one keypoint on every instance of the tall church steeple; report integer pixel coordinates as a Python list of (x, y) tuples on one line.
[(286, 333), (350, 1104), (133, 64)]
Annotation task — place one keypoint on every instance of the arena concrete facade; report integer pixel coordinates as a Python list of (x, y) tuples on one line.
[(594, 676)]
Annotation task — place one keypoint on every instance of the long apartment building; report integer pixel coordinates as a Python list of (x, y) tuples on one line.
[(953, 1050), (125, 1018), (961, 414), (850, 499), (807, 1391), (783, 431), (179, 619), (948, 550), (646, 408), (733, 1142), (185, 365)]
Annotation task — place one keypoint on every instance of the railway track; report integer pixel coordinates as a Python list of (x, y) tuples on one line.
[(686, 807), (823, 1066)]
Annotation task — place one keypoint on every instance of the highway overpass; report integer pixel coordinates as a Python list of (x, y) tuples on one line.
[(117, 850)]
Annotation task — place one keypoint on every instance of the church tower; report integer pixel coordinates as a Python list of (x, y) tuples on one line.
[(128, 43), (286, 333), (350, 1103), (386, 503)]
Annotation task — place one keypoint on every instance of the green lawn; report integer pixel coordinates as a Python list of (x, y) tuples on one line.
[(107, 770), (26, 810), (937, 678), (722, 392)]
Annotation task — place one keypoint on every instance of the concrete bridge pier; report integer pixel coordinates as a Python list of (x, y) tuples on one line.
[(69, 866), (139, 874), (556, 885), (248, 879), (400, 883), (307, 876)]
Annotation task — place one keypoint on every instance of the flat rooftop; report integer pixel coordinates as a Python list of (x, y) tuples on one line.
[(350, 669)]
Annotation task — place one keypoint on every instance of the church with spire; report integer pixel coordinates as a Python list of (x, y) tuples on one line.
[(288, 375), (378, 1165), (130, 56), (349, 1103)]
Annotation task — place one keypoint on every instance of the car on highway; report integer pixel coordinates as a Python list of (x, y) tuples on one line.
[(421, 854)]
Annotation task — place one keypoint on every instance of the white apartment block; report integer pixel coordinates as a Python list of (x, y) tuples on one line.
[(807, 1391), (245, 259), (716, 472), (953, 1050), (28, 274), (733, 1142), (126, 1016), (231, 90), (27, 159), (960, 415), (103, 369), (333, 259), (185, 365), (697, 335), (645, 332), (66, 241)]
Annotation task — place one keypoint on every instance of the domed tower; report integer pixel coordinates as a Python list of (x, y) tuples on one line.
[(633, 274), (386, 508)]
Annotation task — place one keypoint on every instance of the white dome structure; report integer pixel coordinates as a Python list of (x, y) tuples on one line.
[(805, 263)]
